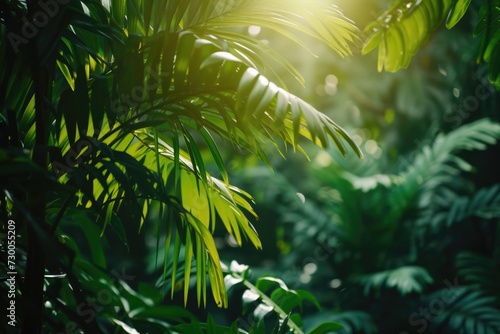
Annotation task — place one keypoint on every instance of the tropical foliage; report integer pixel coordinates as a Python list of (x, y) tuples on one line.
[(404, 241), (129, 129), (118, 96), (381, 230), (406, 25)]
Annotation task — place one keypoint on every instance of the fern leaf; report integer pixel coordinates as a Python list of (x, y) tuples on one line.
[(405, 279), (484, 204), (437, 164), (479, 271), (471, 313)]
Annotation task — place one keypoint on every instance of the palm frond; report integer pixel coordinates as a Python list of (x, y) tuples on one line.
[(214, 92), (279, 112), (149, 84), (212, 89), (121, 176), (318, 19), (221, 22), (143, 309), (137, 85), (488, 28), (405, 26)]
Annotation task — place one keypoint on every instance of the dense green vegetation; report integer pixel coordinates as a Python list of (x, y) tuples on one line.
[(165, 168)]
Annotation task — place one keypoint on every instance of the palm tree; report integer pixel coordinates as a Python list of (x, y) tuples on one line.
[(105, 106)]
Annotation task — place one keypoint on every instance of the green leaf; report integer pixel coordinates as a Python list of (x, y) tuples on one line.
[(457, 12), (372, 42), (185, 47), (326, 327), (248, 298), (306, 295), (214, 150), (67, 74), (286, 300), (261, 311), (231, 281), (265, 282), (100, 103), (81, 100), (218, 58), (401, 30), (66, 108), (281, 327)]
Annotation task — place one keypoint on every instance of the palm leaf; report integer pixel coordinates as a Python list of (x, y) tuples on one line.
[(127, 157), (125, 178), (401, 30), (220, 21), (488, 28)]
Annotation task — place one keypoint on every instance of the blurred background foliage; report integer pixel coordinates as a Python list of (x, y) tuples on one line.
[(377, 240), (405, 240)]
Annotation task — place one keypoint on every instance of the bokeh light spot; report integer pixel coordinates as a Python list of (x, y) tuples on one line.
[(332, 80), (310, 268), (254, 30), (335, 283), (371, 146), (323, 159), (305, 278)]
